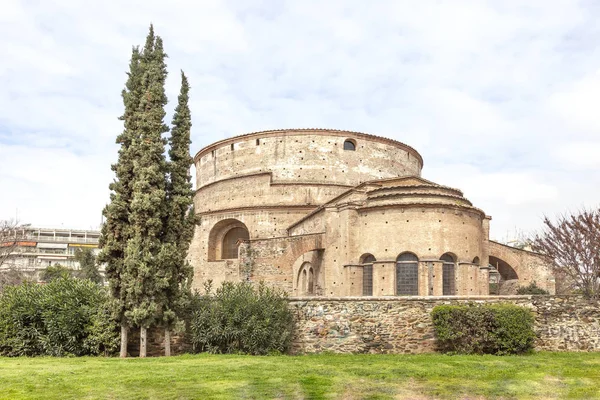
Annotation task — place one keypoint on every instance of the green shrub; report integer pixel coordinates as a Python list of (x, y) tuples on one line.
[(241, 318), (532, 288), (56, 271), (483, 329), (65, 317)]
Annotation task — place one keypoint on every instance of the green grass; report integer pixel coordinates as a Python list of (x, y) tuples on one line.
[(428, 376)]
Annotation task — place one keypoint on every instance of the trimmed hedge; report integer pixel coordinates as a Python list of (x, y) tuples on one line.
[(64, 317), (483, 329), (241, 318)]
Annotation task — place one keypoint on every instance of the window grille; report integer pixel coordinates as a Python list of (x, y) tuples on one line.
[(349, 145), (448, 280), (448, 275), (407, 275), (367, 261), (368, 280)]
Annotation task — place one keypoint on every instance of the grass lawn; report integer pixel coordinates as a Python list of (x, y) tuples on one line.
[(430, 376)]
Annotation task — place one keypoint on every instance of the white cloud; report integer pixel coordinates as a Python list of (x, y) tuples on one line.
[(500, 98)]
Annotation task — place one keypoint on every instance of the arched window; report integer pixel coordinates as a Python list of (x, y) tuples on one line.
[(306, 279), (407, 275), (229, 248), (311, 282), (303, 283), (367, 261), (350, 144), (476, 261), (448, 274)]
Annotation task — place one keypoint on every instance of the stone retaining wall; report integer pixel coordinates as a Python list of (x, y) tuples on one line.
[(403, 325)]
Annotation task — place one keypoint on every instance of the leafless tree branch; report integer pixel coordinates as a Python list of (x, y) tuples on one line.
[(11, 232), (572, 242)]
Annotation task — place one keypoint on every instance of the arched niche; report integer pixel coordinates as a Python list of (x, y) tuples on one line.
[(224, 239), (305, 283)]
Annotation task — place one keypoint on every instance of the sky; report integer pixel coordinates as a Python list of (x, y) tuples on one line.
[(501, 98)]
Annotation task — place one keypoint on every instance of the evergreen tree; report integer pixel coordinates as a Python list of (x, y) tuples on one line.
[(88, 269), (145, 282), (116, 230), (180, 217)]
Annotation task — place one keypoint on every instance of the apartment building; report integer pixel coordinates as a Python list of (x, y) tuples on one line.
[(35, 249)]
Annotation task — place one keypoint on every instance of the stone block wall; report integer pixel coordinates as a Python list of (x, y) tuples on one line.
[(403, 325)]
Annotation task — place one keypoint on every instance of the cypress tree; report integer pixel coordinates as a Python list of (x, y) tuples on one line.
[(148, 205), (115, 229), (179, 222)]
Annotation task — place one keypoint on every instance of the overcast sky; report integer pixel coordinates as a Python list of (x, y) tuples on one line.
[(501, 98)]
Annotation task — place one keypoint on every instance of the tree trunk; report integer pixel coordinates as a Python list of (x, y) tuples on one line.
[(123, 340), (167, 342), (143, 331)]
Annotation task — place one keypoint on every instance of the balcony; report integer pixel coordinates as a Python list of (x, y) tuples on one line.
[(59, 239)]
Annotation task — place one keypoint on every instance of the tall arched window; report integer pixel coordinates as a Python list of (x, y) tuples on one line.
[(350, 144), (303, 282), (306, 279), (407, 275), (229, 248), (367, 261), (448, 274)]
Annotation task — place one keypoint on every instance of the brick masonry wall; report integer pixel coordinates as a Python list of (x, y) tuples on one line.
[(403, 325)]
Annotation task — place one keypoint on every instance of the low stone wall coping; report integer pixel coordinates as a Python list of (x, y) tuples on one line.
[(403, 324), (425, 298)]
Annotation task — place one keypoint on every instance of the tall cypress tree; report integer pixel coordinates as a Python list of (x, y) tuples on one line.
[(148, 203), (180, 217), (115, 230)]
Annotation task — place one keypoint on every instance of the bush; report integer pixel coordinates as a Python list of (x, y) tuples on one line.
[(239, 318), (55, 271), (533, 288), (483, 329), (65, 317)]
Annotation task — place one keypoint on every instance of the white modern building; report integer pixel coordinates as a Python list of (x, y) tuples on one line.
[(35, 249)]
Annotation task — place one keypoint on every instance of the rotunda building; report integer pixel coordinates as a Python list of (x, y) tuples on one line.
[(333, 213)]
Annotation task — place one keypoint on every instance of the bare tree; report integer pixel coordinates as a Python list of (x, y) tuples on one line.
[(573, 245), (10, 233)]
